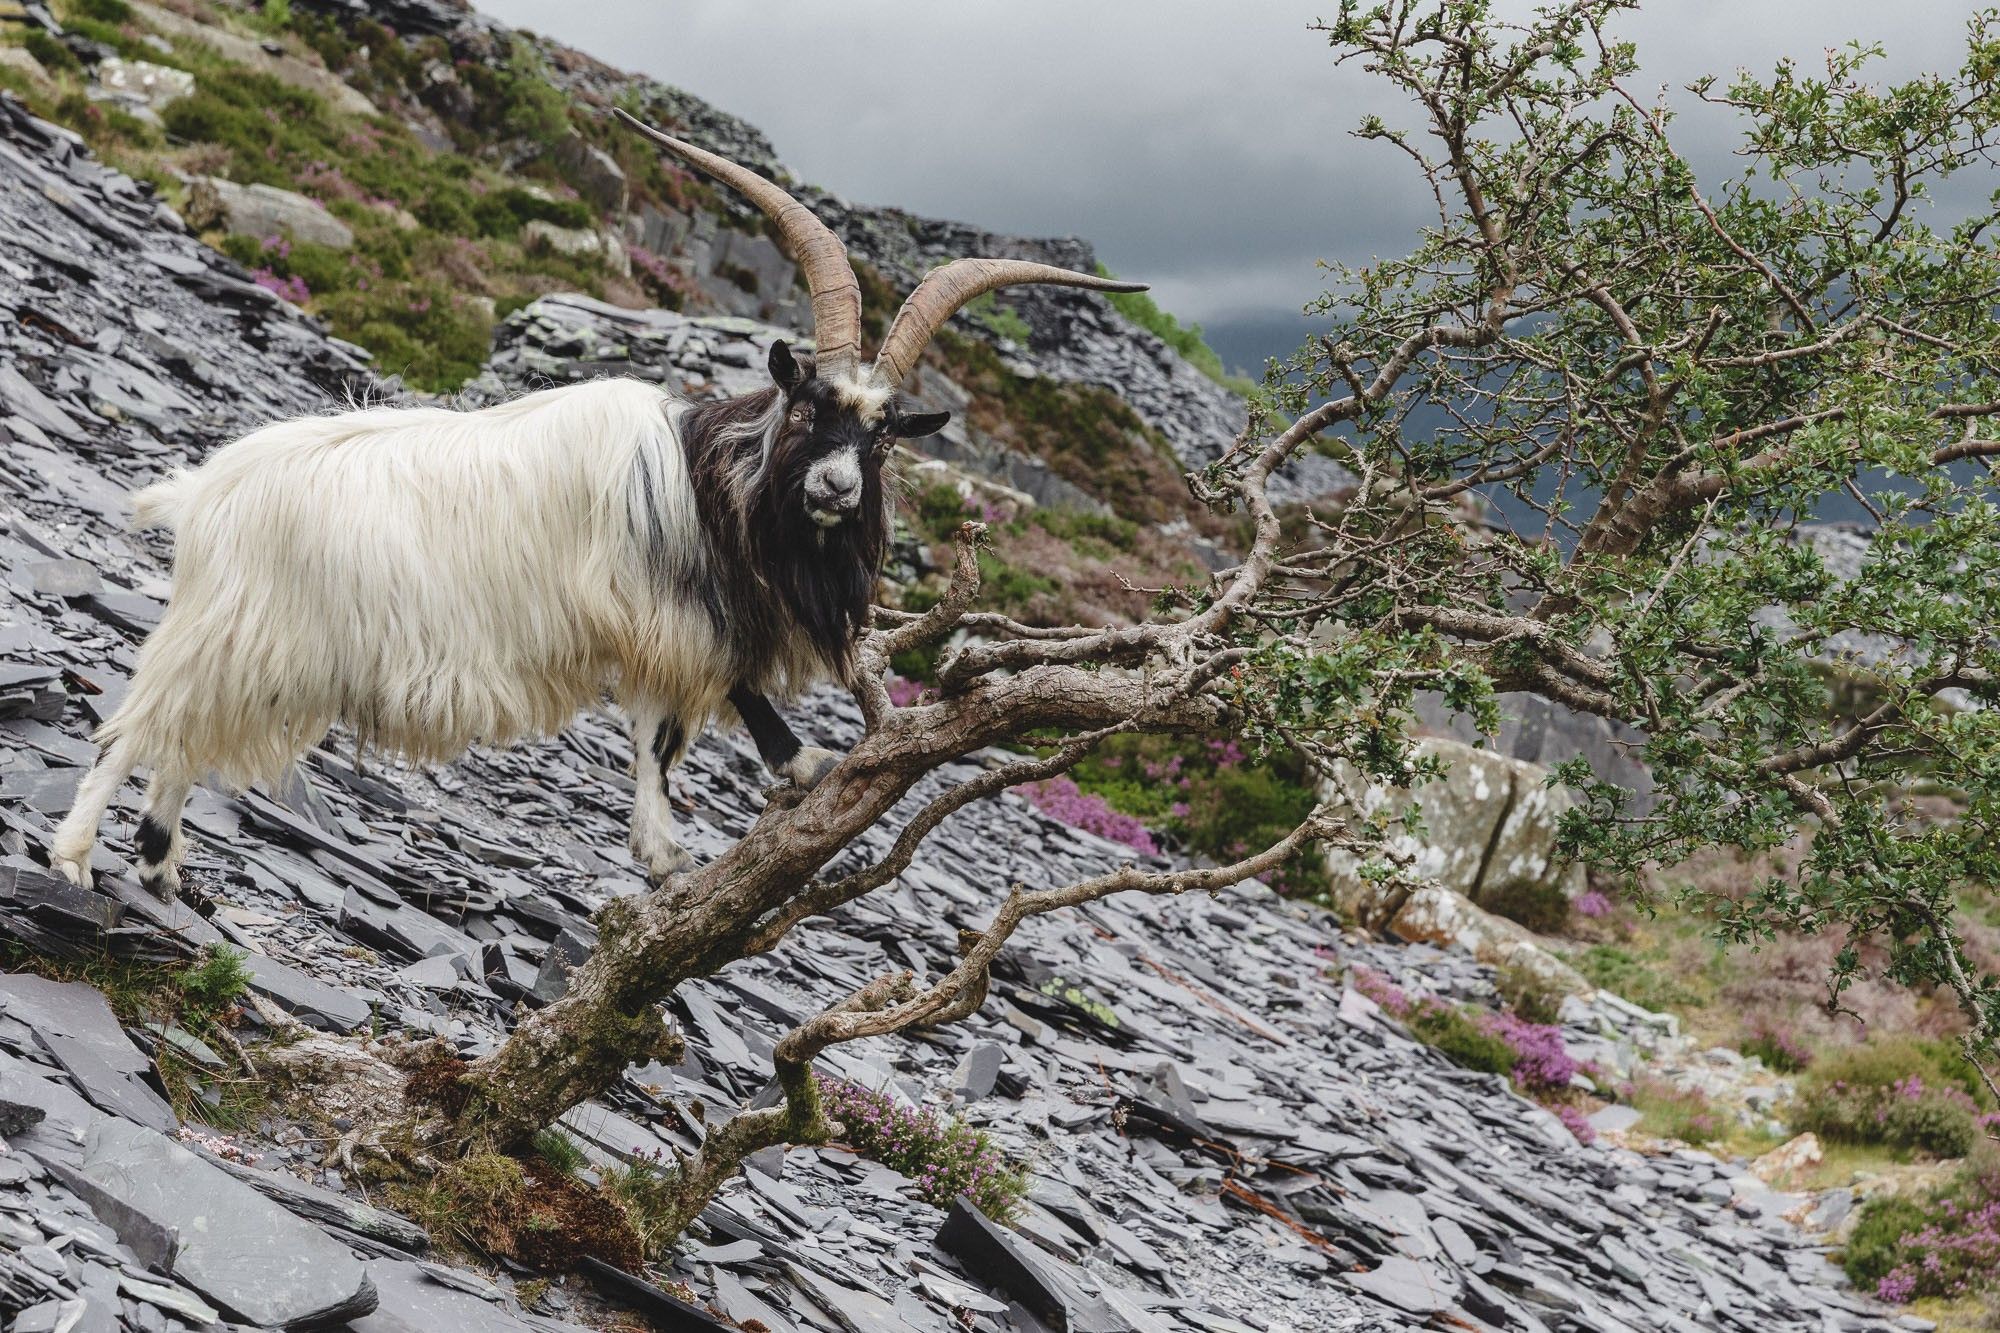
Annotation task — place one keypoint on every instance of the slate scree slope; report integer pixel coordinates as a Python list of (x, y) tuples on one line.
[(1222, 1137)]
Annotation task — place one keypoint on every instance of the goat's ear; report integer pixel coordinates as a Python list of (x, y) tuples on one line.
[(787, 370), (916, 425)]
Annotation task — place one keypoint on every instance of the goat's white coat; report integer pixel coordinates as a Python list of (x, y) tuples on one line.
[(434, 578)]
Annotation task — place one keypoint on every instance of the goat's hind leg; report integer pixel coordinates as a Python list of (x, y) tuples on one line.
[(159, 841), (658, 741), (77, 834)]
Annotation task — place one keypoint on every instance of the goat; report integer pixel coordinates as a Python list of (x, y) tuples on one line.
[(433, 578)]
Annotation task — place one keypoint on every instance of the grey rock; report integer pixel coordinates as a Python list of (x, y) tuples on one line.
[(263, 210), (311, 1001), (247, 1255), (976, 1073)]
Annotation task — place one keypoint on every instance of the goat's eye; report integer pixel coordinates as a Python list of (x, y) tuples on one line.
[(802, 414)]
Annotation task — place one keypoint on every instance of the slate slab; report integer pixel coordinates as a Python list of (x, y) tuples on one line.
[(258, 1263), (310, 1001), (1046, 1285)]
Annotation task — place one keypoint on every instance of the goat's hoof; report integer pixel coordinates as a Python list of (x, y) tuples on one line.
[(663, 866), (75, 869), (164, 884), (809, 766)]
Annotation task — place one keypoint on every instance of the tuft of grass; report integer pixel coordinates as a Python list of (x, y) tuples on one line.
[(200, 999), (1644, 978), (1677, 1113), (216, 980), (1529, 994), (560, 1151)]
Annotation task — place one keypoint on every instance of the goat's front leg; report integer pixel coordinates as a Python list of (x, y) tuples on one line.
[(802, 765), (658, 741)]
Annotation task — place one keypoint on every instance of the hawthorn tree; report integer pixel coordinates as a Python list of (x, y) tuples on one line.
[(1667, 378)]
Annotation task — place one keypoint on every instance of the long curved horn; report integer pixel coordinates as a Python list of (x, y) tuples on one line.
[(836, 295), (946, 288)]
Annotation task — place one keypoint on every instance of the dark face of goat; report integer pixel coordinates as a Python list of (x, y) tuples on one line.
[(827, 458)]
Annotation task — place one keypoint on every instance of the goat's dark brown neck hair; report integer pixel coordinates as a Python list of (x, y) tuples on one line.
[(773, 573)]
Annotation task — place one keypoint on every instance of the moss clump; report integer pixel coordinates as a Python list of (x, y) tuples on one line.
[(528, 1212), (438, 1081)]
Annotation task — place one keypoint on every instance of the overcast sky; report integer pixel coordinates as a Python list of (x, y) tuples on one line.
[(1202, 147)]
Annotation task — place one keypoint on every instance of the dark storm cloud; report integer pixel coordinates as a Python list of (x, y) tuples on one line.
[(1202, 146)]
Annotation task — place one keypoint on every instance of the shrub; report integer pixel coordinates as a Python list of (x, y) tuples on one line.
[(1541, 906), (53, 55), (1946, 1244), (1463, 1039), (104, 11), (1898, 1092), (1529, 993), (1060, 799), (1676, 1113), (1210, 798), (943, 1154), (1540, 1064), (1639, 978), (1777, 1046)]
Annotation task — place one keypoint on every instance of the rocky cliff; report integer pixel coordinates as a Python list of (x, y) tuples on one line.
[(1221, 1135)]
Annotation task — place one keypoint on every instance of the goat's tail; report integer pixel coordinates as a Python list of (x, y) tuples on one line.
[(160, 505)]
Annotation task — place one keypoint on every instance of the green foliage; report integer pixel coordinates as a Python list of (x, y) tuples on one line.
[(1649, 364), (171, 1003), (1529, 993), (1945, 1242), (1900, 1093), (1210, 797), (998, 319), (1142, 310), (55, 57), (1105, 532), (1645, 979), (560, 1151), (103, 11), (1671, 1112), (1541, 906), (938, 509), (1876, 1243), (217, 979), (1010, 588), (1458, 1034)]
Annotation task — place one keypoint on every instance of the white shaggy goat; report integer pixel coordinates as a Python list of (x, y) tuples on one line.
[(434, 578)]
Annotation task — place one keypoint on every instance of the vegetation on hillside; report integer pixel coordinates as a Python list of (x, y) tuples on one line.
[(438, 249), (1143, 310)]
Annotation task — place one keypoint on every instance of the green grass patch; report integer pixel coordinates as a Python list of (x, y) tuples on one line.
[(1186, 339), (170, 1004), (1647, 978)]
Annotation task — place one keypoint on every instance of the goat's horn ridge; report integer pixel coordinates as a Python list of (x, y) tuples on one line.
[(946, 288), (836, 294)]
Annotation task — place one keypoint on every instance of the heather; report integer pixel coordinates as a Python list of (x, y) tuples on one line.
[(1504, 1043), (1903, 1094), (944, 1156), (1946, 1244), (1060, 799)]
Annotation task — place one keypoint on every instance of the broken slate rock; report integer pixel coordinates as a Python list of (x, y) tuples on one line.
[(255, 1261)]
